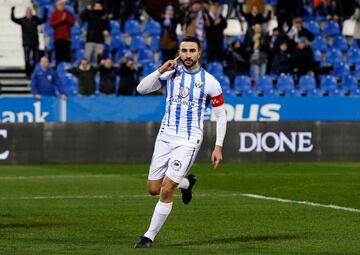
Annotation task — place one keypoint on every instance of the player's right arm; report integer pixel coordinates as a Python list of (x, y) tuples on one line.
[(152, 82)]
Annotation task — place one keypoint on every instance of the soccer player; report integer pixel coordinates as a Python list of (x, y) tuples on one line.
[(189, 90)]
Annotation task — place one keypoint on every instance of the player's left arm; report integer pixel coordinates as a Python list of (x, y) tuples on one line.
[(221, 122)]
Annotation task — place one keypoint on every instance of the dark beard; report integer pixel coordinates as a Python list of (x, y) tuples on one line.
[(188, 66)]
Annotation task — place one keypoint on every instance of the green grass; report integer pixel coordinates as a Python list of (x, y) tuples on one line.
[(213, 223)]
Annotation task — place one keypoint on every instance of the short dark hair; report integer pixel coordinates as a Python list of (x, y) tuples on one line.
[(192, 39)]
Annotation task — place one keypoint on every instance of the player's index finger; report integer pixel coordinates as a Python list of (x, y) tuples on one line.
[(177, 58)]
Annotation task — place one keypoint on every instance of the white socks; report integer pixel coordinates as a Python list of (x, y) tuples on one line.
[(183, 184), (161, 212)]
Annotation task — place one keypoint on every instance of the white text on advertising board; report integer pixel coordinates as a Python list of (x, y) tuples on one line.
[(4, 154), (275, 142), (25, 116)]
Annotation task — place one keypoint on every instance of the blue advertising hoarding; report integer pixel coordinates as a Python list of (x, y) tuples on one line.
[(152, 108)]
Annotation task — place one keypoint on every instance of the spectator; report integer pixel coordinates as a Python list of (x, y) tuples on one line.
[(98, 25), (285, 12), (62, 21), (30, 38), (215, 34), (129, 77), (86, 77), (168, 39), (196, 20), (275, 39), (108, 75), (155, 8), (129, 9), (260, 5), (303, 60), (299, 31), (254, 16), (357, 23), (45, 81), (83, 4), (282, 60), (257, 45), (237, 61)]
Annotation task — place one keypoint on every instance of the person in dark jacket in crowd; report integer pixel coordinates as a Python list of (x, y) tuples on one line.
[(285, 13), (282, 63), (30, 38), (129, 76), (168, 38), (98, 25), (254, 17), (108, 75), (303, 58), (86, 77), (45, 81), (215, 34), (299, 31), (62, 21), (237, 61)]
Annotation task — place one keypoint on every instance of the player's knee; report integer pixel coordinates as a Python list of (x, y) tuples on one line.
[(154, 191), (168, 190)]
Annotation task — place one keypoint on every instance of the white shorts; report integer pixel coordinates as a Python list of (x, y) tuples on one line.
[(172, 160)]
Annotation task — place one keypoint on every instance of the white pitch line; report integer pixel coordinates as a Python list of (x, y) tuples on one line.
[(275, 199), (40, 177), (281, 200)]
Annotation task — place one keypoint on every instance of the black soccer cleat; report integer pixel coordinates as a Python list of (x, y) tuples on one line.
[(187, 193), (144, 243)]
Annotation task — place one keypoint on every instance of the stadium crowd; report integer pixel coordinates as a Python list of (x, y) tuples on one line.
[(105, 47)]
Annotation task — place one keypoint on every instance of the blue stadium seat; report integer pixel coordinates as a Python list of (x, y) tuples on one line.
[(215, 68), (242, 83), (334, 56), (50, 9), (240, 38), (349, 83), (79, 55), (331, 28), (313, 26), (340, 43), (114, 28), (50, 45), (43, 2), (286, 85), (341, 69), (307, 84), (117, 43), (357, 71), (121, 53), (353, 56), (48, 30), (225, 45), (149, 68), (335, 92), (328, 84), (318, 56), (307, 13), (137, 43), (155, 43), (132, 27), (354, 44), (264, 85), (224, 81), (77, 42), (76, 29), (145, 56), (71, 9), (320, 43), (152, 28)]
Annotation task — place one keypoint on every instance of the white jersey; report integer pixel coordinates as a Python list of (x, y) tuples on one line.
[(187, 96)]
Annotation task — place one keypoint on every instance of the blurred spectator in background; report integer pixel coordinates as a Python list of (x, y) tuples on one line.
[(357, 23), (112, 8), (298, 31), (196, 20), (254, 16), (86, 77), (275, 39), (237, 61), (108, 75), (168, 38), (156, 8), (62, 21), (260, 5), (83, 4), (129, 76), (129, 9), (257, 45), (215, 34), (286, 12), (30, 38), (282, 61), (45, 81), (303, 59), (98, 26)]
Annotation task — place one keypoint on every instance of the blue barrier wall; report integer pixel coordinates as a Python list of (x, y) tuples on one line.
[(151, 108)]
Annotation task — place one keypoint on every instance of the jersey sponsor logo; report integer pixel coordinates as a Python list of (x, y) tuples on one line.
[(198, 84), (184, 92), (176, 165), (184, 102), (276, 142)]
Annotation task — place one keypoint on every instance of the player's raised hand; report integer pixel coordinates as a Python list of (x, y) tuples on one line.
[(216, 156), (169, 65)]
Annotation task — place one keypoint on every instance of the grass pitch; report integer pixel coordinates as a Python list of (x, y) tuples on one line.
[(103, 209)]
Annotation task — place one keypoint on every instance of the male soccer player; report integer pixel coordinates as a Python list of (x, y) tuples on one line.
[(189, 87)]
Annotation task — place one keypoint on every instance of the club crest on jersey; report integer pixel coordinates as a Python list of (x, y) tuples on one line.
[(176, 165), (184, 92), (198, 84)]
